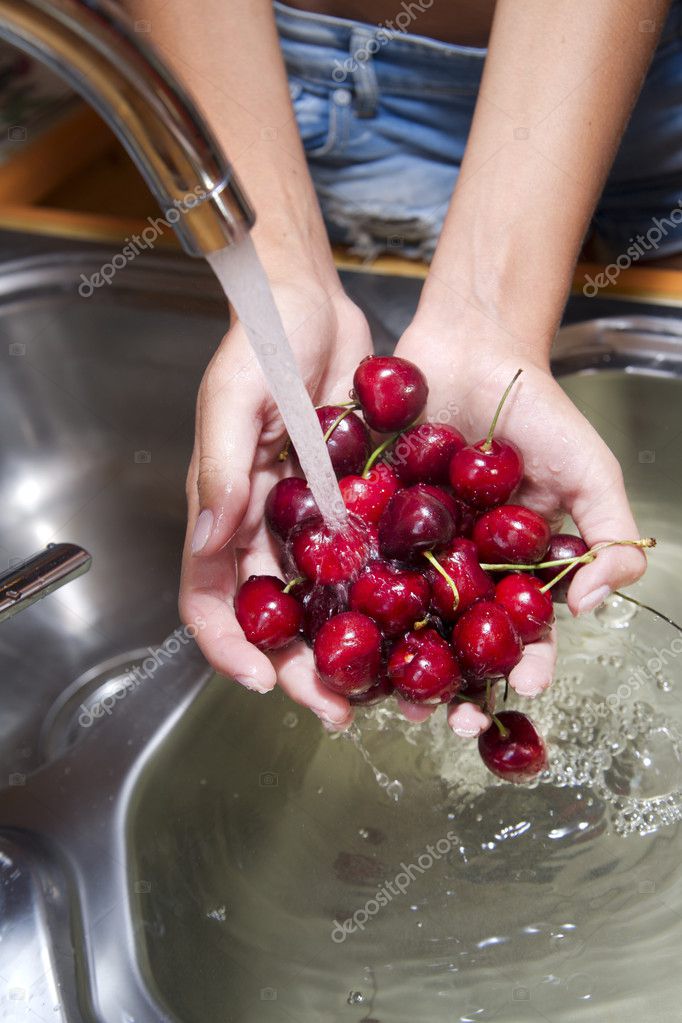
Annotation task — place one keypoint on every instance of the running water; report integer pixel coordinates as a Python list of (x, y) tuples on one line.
[(243, 280)]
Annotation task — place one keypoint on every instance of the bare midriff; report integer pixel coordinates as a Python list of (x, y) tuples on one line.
[(453, 21)]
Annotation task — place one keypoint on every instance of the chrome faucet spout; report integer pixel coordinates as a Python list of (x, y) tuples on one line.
[(92, 45)]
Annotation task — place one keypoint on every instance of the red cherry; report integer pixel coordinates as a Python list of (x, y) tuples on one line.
[(269, 617), (446, 497), (289, 503), (488, 472), (326, 556), (413, 522), (460, 561), (367, 496), (531, 610), (484, 477), (423, 453), (485, 641), (347, 652), (391, 391), (519, 754), (423, 669), (394, 598), (349, 443), (512, 535), (561, 545), (381, 690), (320, 603)]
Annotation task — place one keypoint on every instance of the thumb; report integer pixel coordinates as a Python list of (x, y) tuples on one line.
[(606, 516), (227, 432)]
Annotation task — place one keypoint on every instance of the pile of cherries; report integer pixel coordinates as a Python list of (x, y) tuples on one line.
[(405, 598)]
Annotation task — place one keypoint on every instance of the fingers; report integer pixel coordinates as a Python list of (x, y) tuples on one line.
[(227, 432), (414, 712), (534, 672), (467, 720), (219, 634), (606, 516), (297, 676)]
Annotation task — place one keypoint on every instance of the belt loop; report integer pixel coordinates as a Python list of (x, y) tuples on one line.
[(365, 86)]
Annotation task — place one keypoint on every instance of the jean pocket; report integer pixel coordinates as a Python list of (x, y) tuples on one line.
[(323, 116)]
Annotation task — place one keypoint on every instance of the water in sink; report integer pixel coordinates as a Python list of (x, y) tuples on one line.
[(243, 279), (295, 876)]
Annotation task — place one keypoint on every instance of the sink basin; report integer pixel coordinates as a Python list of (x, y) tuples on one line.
[(187, 852)]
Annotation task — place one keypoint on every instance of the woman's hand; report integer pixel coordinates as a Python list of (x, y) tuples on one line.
[(239, 434), (568, 468)]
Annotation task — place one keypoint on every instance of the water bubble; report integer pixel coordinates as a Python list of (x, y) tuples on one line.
[(615, 613), (356, 998), (290, 720), (395, 790)]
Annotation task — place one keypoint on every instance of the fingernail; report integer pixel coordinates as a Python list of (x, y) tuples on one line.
[(329, 725), (250, 683), (466, 733), (202, 531), (593, 599)]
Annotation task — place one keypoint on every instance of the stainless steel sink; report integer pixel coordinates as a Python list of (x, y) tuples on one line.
[(172, 847)]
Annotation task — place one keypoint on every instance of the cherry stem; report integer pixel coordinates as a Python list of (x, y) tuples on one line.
[(489, 439), (350, 406), (339, 419), (293, 582), (559, 576), (376, 454), (421, 624), (449, 580), (646, 607), (506, 690), (504, 732), (647, 541)]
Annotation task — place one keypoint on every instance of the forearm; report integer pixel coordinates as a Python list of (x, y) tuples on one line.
[(228, 57), (557, 91)]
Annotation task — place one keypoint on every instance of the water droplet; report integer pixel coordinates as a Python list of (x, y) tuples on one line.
[(356, 998), (290, 720)]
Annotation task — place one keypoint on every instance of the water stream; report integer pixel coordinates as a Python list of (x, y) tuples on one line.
[(243, 279)]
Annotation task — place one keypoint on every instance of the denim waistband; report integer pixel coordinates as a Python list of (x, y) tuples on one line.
[(330, 50)]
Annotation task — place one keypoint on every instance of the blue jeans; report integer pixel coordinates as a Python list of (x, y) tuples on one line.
[(384, 117)]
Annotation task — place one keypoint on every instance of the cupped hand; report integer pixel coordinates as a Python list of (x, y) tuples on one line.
[(568, 468), (239, 434)]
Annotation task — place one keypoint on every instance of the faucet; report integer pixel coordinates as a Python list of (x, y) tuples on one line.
[(96, 50), (23, 584)]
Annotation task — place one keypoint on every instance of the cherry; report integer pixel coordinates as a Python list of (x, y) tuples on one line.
[(375, 694), (485, 641), (269, 617), (395, 598), (460, 561), (488, 472), (348, 442), (531, 610), (413, 522), (320, 603), (422, 454), (446, 497), (514, 750), (289, 503), (347, 652), (511, 534), (326, 556), (367, 496), (391, 391), (423, 669), (562, 545)]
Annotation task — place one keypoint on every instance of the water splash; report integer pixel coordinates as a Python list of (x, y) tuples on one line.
[(243, 279)]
